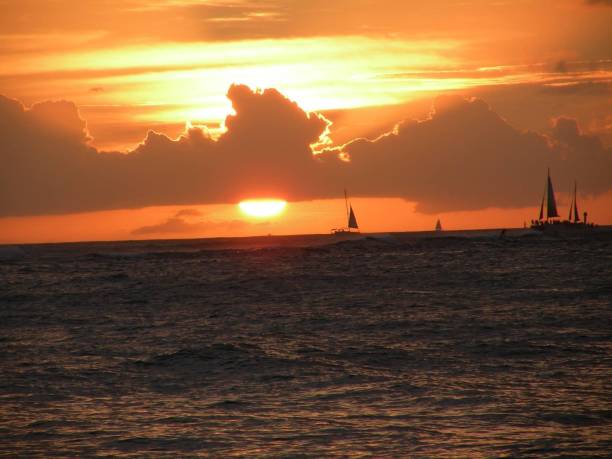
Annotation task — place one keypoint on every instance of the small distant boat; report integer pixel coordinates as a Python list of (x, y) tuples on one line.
[(351, 227), (548, 219), (438, 225)]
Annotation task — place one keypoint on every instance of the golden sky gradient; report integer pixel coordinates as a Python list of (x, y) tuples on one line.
[(378, 215), (131, 66)]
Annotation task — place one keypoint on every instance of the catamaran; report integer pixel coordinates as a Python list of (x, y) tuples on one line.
[(438, 225), (351, 220), (549, 216)]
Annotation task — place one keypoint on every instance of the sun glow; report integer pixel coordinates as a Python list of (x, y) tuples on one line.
[(262, 207)]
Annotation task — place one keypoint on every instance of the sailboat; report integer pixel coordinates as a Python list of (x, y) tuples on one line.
[(351, 220), (573, 211), (438, 225), (549, 216), (549, 199), (573, 220)]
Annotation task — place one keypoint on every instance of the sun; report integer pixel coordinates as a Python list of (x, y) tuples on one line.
[(262, 207)]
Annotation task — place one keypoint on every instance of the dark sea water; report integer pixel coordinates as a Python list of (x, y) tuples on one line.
[(394, 346)]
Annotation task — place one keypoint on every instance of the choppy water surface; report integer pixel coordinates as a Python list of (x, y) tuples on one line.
[(396, 347)]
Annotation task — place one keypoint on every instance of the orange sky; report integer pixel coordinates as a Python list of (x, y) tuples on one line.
[(133, 65), (313, 217)]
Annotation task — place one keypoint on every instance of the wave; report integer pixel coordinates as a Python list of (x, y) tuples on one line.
[(219, 357)]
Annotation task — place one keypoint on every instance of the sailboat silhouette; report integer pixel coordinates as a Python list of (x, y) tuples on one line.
[(548, 219), (549, 198), (573, 211), (351, 219)]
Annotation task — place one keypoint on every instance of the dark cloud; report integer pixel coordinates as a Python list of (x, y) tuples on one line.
[(182, 223), (172, 225), (188, 213), (178, 225), (599, 2), (467, 157), (464, 156), (532, 106), (50, 168)]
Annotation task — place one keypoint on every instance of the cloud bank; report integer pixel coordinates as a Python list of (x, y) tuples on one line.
[(464, 156), (50, 168)]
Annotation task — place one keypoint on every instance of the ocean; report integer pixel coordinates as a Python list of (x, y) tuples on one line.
[(399, 345)]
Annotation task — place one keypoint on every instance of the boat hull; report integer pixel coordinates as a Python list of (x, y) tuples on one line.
[(344, 232), (563, 228)]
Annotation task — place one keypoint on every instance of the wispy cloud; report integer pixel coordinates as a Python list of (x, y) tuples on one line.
[(189, 213), (179, 224)]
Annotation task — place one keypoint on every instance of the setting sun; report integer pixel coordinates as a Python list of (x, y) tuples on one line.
[(262, 207)]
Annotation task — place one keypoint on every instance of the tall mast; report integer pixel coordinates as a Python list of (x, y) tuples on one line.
[(548, 193), (346, 205), (542, 205), (571, 207), (544, 197), (576, 217)]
